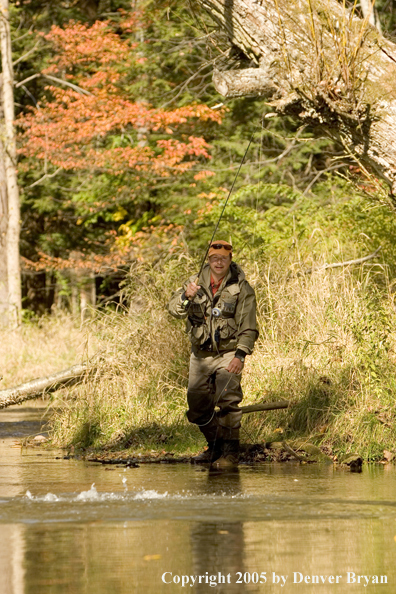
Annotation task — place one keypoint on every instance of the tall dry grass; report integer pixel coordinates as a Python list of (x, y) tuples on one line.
[(40, 347), (137, 393), (326, 344)]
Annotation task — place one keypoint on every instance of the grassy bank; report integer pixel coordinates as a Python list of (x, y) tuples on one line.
[(326, 344), (327, 336)]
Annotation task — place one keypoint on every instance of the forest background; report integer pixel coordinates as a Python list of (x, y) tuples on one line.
[(126, 154)]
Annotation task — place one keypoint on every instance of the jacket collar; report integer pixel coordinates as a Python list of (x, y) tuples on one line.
[(234, 275)]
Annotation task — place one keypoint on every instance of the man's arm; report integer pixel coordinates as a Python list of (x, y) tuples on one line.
[(179, 303), (245, 318), (246, 321)]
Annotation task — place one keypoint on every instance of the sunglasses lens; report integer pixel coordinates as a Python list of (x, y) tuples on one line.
[(219, 246)]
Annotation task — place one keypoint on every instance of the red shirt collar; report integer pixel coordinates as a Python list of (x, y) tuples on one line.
[(214, 287)]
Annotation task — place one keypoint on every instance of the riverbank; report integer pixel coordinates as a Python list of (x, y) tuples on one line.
[(89, 526), (298, 451), (327, 346)]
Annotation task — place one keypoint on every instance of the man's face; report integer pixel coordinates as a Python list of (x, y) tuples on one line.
[(219, 265)]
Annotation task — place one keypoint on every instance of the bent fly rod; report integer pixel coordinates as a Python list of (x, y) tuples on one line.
[(225, 204)]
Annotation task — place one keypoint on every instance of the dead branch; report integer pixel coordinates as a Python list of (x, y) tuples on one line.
[(347, 263), (54, 79), (292, 452), (264, 406)]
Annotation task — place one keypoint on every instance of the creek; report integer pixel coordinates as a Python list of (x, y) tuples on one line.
[(70, 526)]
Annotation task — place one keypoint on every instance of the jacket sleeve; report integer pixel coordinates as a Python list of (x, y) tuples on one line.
[(175, 305), (245, 318)]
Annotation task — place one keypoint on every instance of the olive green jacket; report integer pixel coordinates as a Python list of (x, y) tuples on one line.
[(235, 302)]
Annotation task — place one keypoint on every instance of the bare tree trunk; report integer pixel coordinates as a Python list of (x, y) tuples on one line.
[(315, 60), (3, 238), (369, 12), (74, 296), (87, 294), (13, 224)]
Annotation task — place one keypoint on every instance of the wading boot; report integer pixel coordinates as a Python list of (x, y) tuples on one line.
[(210, 455), (230, 457)]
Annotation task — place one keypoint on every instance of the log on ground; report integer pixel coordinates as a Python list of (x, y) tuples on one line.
[(261, 406), (43, 385)]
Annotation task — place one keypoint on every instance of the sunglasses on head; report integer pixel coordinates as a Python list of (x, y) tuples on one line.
[(219, 246)]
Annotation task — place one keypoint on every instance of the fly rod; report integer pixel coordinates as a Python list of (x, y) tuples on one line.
[(225, 204)]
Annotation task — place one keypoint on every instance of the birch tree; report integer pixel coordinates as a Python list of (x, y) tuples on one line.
[(12, 211)]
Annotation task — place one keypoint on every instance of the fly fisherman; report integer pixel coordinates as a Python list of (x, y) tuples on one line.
[(220, 311)]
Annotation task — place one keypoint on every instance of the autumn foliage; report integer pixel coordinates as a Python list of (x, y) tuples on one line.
[(94, 122)]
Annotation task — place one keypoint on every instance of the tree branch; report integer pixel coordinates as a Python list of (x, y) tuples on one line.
[(249, 81), (347, 263), (26, 80), (31, 51), (22, 36), (68, 84), (54, 79), (46, 176)]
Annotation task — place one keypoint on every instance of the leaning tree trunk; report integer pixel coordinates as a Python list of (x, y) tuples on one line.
[(9, 143), (316, 60)]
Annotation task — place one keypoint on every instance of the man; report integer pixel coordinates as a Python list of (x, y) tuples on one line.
[(220, 310)]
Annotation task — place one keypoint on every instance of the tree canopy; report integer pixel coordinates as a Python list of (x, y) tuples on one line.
[(126, 149)]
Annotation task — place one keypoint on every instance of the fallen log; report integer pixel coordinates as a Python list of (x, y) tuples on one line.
[(74, 375), (317, 61), (43, 385)]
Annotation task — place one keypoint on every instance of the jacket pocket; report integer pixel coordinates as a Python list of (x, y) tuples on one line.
[(228, 308), (197, 334), (228, 328)]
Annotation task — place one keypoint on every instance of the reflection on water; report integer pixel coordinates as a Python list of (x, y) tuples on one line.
[(217, 548), (69, 526), (12, 559)]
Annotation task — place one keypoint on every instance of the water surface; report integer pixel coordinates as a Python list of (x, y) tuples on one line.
[(69, 526)]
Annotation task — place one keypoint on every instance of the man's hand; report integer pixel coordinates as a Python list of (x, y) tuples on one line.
[(235, 366), (191, 290)]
